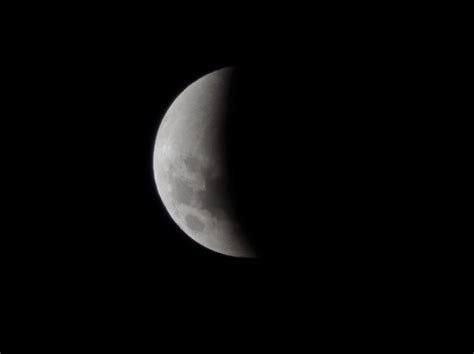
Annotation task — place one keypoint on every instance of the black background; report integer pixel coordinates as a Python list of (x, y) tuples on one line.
[(312, 143), (320, 145), (312, 160)]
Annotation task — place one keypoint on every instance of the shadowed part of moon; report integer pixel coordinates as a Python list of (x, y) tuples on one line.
[(189, 166)]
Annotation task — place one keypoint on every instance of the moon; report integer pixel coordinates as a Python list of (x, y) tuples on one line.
[(189, 166)]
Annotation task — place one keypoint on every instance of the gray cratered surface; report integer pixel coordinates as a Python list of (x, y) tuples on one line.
[(189, 167)]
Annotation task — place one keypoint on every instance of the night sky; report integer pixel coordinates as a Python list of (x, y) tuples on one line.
[(325, 156), (311, 156)]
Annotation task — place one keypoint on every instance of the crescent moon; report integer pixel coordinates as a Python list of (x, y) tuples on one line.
[(189, 167)]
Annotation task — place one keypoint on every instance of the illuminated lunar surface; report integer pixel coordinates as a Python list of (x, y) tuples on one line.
[(189, 166)]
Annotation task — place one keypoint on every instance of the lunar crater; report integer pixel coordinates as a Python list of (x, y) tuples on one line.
[(194, 223)]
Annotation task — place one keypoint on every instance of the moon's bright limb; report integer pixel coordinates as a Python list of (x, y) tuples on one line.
[(189, 169)]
